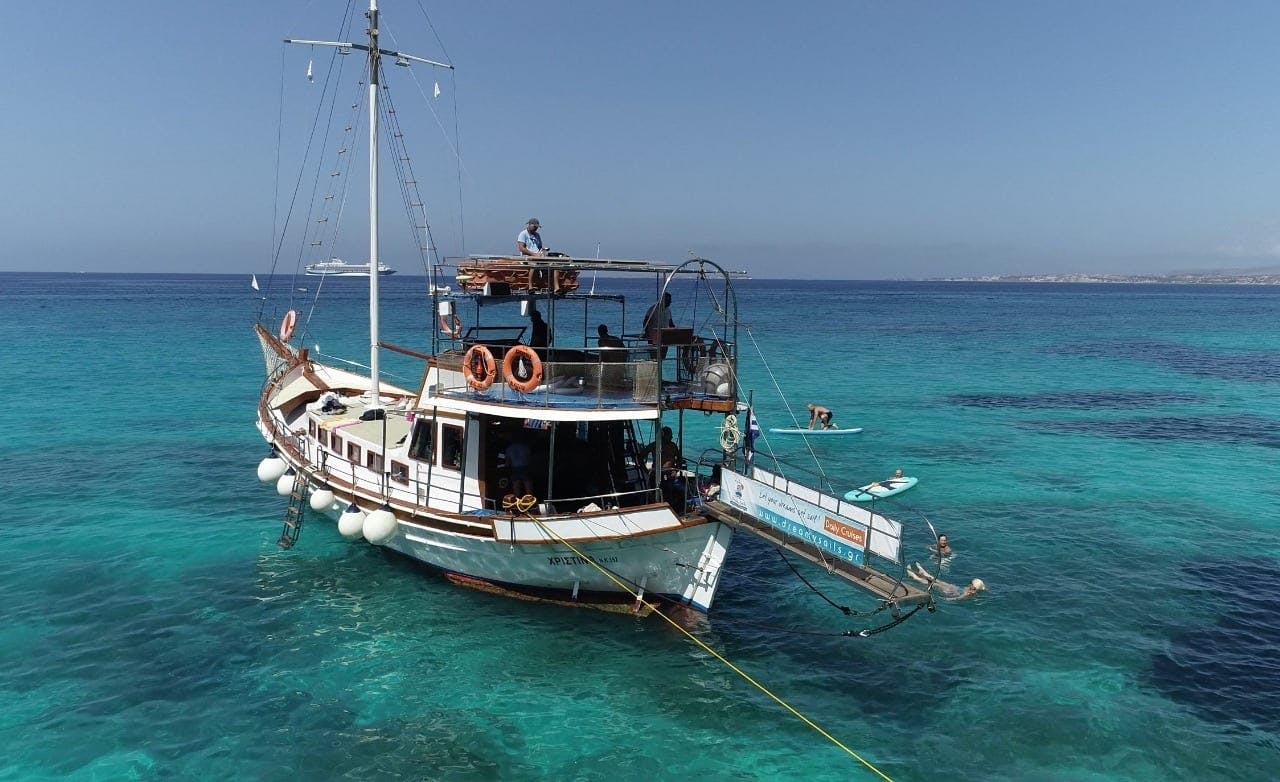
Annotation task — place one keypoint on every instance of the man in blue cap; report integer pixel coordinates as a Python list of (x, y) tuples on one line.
[(529, 242)]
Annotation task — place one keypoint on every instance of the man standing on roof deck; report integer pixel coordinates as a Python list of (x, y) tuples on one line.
[(529, 242), (656, 318)]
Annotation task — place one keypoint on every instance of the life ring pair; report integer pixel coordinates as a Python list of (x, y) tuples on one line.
[(287, 325), (479, 367), (451, 325), (522, 368)]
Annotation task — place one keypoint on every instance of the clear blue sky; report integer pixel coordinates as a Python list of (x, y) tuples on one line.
[(823, 140)]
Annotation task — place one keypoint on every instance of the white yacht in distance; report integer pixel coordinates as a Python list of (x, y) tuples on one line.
[(336, 267)]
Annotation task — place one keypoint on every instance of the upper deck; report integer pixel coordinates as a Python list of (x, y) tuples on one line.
[(601, 386), (526, 334)]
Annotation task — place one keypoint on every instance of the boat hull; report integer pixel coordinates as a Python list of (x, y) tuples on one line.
[(681, 565), (347, 273), (618, 554)]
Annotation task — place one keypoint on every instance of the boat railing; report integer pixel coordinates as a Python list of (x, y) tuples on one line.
[(583, 383), (427, 492), (603, 378), (817, 488), (396, 482), (694, 482), (552, 505)]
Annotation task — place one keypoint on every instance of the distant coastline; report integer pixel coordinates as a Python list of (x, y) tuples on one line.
[(1186, 278)]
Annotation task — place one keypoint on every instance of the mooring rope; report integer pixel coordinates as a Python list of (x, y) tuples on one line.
[(747, 677)]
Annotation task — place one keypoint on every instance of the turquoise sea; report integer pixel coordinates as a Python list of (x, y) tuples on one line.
[(1104, 457)]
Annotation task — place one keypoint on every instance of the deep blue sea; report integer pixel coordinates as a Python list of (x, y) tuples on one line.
[(1103, 456)]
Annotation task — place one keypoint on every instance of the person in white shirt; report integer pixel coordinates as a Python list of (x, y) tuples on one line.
[(529, 242)]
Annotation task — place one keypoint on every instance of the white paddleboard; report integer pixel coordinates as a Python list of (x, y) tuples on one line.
[(808, 432), (880, 489)]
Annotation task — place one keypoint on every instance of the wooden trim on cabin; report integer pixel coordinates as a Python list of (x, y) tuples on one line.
[(708, 405)]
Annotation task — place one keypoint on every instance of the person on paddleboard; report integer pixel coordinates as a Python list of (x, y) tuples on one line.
[(820, 414)]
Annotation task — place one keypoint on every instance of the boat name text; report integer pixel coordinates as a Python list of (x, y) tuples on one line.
[(574, 559)]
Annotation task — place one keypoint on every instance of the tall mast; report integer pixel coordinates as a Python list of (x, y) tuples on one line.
[(374, 61), (375, 77)]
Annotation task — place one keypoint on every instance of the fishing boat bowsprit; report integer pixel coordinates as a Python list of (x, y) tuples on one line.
[(544, 457)]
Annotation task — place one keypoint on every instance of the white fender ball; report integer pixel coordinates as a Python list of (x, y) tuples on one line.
[(351, 522), (322, 499), (380, 526), (271, 468), (284, 486), (716, 377)]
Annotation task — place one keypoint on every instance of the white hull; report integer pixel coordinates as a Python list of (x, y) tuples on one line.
[(346, 273), (655, 565), (593, 557), (344, 269)]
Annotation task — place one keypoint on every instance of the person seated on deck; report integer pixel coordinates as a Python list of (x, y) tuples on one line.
[(608, 341), (529, 242), (948, 591), (673, 483), (820, 414), (671, 458)]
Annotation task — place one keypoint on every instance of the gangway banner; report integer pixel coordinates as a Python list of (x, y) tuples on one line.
[(839, 528)]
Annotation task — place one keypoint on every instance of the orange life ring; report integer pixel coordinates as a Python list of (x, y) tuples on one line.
[(513, 368), (287, 325), (479, 368), (453, 329)]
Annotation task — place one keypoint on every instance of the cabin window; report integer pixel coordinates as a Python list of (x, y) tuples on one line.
[(451, 447), (423, 446), (322, 437), (353, 453), (336, 444), (373, 461), (399, 472), (311, 427)]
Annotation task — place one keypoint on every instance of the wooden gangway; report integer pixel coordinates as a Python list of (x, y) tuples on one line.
[(882, 586)]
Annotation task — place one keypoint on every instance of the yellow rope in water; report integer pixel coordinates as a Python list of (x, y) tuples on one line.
[(626, 588)]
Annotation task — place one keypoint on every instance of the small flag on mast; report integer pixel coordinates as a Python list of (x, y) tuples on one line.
[(254, 282), (437, 90)]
